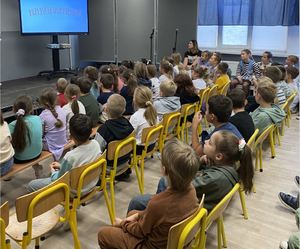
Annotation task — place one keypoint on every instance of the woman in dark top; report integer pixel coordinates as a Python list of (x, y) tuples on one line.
[(191, 54), (185, 89)]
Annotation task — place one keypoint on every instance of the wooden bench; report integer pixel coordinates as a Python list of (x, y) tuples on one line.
[(16, 168)]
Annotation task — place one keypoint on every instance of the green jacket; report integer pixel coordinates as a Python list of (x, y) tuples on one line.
[(264, 117), (215, 182)]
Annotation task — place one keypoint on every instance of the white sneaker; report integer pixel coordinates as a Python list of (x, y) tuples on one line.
[(283, 245), (38, 171)]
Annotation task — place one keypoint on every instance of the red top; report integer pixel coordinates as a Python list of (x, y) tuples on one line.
[(61, 100)]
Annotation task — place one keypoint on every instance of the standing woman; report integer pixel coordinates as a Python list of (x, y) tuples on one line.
[(191, 55)]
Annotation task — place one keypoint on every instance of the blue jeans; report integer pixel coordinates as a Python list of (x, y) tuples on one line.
[(37, 184), (140, 202), (5, 167)]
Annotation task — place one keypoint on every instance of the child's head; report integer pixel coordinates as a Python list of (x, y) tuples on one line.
[(205, 55), (200, 73), (128, 64), (219, 109), (80, 128), (266, 57), (22, 107), (245, 54), (84, 85), (61, 85), (130, 80), (91, 73), (115, 106), (283, 71), (72, 93), (48, 100), (74, 80), (291, 73), (184, 83), (180, 164), (142, 98), (215, 59), (292, 60), (107, 81), (109, 69), (238, 98), (193, 46), (222, 68), (224, 148), (176, 58), (151, 70), (166, 68), (273, 73), (140, 70), (266, 91), (167, 88)]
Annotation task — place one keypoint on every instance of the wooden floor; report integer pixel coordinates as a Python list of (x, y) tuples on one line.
[(269, 222)]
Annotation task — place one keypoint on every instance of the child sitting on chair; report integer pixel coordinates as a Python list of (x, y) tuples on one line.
[(223, 77), (167, 102), (218, 112), (150, 228), (267, 113), (61, 86), (86, 151)]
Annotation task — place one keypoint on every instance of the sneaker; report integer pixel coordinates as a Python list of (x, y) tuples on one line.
[(288, 201), (297, 181), (283, 245)]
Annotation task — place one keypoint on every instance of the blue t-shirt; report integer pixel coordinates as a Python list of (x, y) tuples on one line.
[(33, 149), (225, 127), (103, 97)]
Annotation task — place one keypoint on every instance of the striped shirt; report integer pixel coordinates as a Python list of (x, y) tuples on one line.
[(247, 69)]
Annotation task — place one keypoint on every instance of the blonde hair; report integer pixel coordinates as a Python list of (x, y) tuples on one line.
[(176, 58), (61, 85), (72, 93), (267, 89), (115, 105), (142, 98), (140, 70), (181, 164), (168, 88), (167, 68)]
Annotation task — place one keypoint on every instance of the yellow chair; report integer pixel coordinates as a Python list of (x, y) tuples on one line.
[(171, 126), (217, 214), (202, 99), (4, 220), (189, 233), (150, 135), (116, 150), (258, 145), (36, 214), (186, 110), (212, 92), (286, 108), (224, 89), (86, 176)]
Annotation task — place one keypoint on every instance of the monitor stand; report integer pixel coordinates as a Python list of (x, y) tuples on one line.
[(56, 72)]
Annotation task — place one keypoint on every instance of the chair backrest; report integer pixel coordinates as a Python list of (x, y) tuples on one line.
[(224, 89), (221, 206), (261, 138), (88, 173), (288, 102), (120, 148), (177, 229), (4, 219), (251, 140), (151, 134), (39, 202), (187, 110), (213, 91), (170, 122)]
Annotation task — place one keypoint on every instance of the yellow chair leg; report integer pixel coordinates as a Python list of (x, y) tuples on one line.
[(243, 203), (260, 158), (25, 241), (223, 233), (108, 205), (271, 137), (256, 158), (219, 233), (112, 196), (253, 188), (37, 242), (7, 244), (73, 228)]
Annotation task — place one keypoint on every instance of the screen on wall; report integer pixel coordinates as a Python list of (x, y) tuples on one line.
[(54, 16)]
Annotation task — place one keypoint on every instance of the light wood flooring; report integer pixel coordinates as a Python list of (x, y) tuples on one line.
[(269, 222)]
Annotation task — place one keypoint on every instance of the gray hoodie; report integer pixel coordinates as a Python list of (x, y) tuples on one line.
[(264, 117), (165, 105)]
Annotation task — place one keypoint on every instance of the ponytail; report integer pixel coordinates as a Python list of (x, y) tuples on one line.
[(150, 113), (20, 133), (58, 123), (74, 105), (246, 170)]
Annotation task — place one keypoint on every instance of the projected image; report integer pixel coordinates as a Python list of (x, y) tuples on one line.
[(54, 16)]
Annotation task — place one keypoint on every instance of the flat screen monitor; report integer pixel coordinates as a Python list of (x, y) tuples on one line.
[(51, 17)]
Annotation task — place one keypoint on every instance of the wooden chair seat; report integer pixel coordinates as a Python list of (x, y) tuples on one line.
[(40, 225)]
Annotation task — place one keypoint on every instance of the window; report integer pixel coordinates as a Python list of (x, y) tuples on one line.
[(207, 36), (234, 35)]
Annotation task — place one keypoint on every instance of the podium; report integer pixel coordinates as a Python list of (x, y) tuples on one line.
[(56, 47)]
